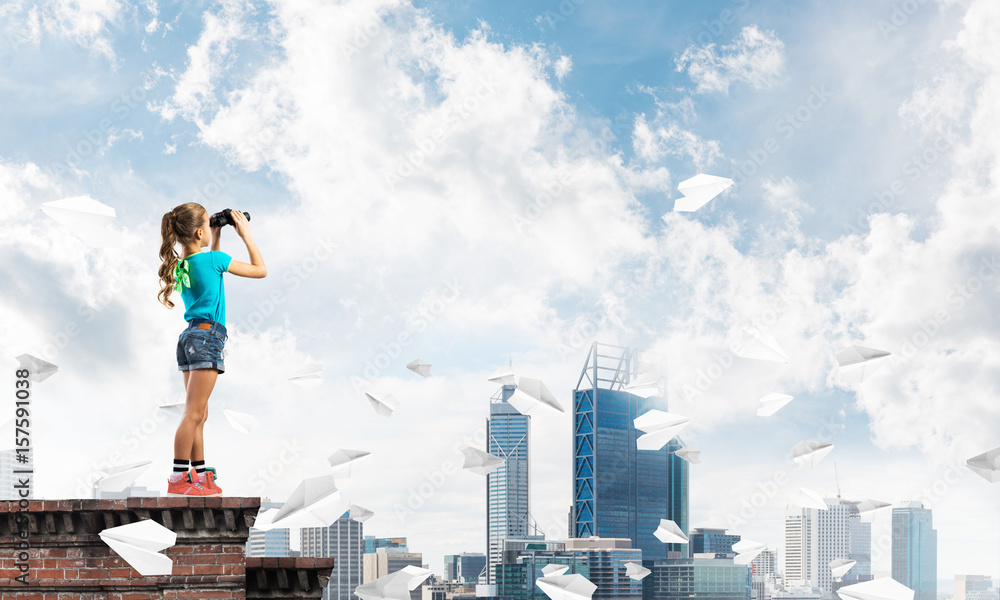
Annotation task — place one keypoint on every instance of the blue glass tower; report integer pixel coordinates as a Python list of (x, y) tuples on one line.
[(507, 494), (618, 490), (914, 550)]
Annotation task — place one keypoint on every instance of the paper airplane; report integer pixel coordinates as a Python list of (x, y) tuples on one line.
[(858, 362), (645, 389), (480, 462), (636, 571), (116, 479), (86, 218), (689, 454), (38, 369), (746, 551), (699, 190), (175, 404), (420, 367), (394, 586), (344, 460), (309, 376), (139, 545), (554, 570), (383, 404), (807, 498), (531, 397), (659, 428), (841, 566), (772, 403), (567, 587), (867, 509), (360, 513), (504, 376), (241, 422), (885, 588), (669, 533), (761, 346), (808, 453), (986, 465), (316, 502)]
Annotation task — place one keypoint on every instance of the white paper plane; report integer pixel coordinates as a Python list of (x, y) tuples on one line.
[(504, 376), (808, 453), (807, 498), (772, 403), (669, 533), (316, 502), (360, 513), (309, 376), (531, 397), (858, 362), (175, 404), (383, 404), (746, 551), (139, 545), (885, 588), (342, 461), (636, 571), (699, 190), (567, 587), (643, 388), (420, 367), (839, 567), (868, 508), (761, 346), (986, 465), (116, 479), (553, 570), (480, 462), (86, 218), (394, 586), (38, 369), (659, 427), (689, 454), (241, 422)]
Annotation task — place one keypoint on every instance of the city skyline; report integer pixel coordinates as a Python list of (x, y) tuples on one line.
[(482, 184)]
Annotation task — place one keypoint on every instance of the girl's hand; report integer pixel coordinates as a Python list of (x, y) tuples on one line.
[(240, 223)]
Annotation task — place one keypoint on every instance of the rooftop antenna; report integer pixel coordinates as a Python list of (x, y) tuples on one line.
[(837, 479)]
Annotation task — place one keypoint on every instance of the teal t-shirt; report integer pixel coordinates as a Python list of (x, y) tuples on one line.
[(206, 298)]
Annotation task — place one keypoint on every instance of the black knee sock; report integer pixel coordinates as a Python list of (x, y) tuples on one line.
[(180, 466), (199, 466)]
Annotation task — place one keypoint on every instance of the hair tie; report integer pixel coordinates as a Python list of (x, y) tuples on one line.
[(182, 276)]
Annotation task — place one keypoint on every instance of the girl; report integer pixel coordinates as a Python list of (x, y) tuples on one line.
[(198, 277)]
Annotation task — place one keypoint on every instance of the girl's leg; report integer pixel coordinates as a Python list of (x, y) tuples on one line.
[(200, 384)]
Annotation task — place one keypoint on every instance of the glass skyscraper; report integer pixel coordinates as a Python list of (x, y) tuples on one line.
[(618, 490), (507, 497), (696, 578), (914, 550)]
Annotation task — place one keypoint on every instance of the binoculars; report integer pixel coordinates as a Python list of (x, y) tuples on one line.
[(223, 218)]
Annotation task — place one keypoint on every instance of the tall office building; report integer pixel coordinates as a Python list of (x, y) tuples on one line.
[(705, 576), (343, 540), (507, 492), (914, 550), (620, 491), (716, 541), (273, 542), (861, 544), (815, 538), (763, 575), (465, 568)]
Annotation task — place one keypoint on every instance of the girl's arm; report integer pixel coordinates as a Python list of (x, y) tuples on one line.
[(216, 238), (255, 269)]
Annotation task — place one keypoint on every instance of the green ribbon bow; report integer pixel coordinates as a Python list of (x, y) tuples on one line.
[(182, 276)]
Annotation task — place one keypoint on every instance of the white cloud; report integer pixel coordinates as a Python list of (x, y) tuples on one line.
[(756, 57), (563, 66), (85, 22), (652, 143)]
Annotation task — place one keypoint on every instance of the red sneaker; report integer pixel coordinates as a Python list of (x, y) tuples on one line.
[(185, 486), (207, 481)]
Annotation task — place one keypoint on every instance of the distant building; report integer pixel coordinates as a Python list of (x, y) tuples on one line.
[(465, 568), (703, 577), (620, 491), (974, 587), (815, 538), (385, 561), (914, 550), (372, 543), (799, 593), (343, 540), (508, 496), (763, 575), (273, 542), (715, 541)]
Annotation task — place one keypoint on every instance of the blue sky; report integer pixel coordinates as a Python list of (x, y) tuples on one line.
[(291, 111)]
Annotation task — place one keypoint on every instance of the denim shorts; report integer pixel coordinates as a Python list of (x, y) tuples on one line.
[(200, 346)]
